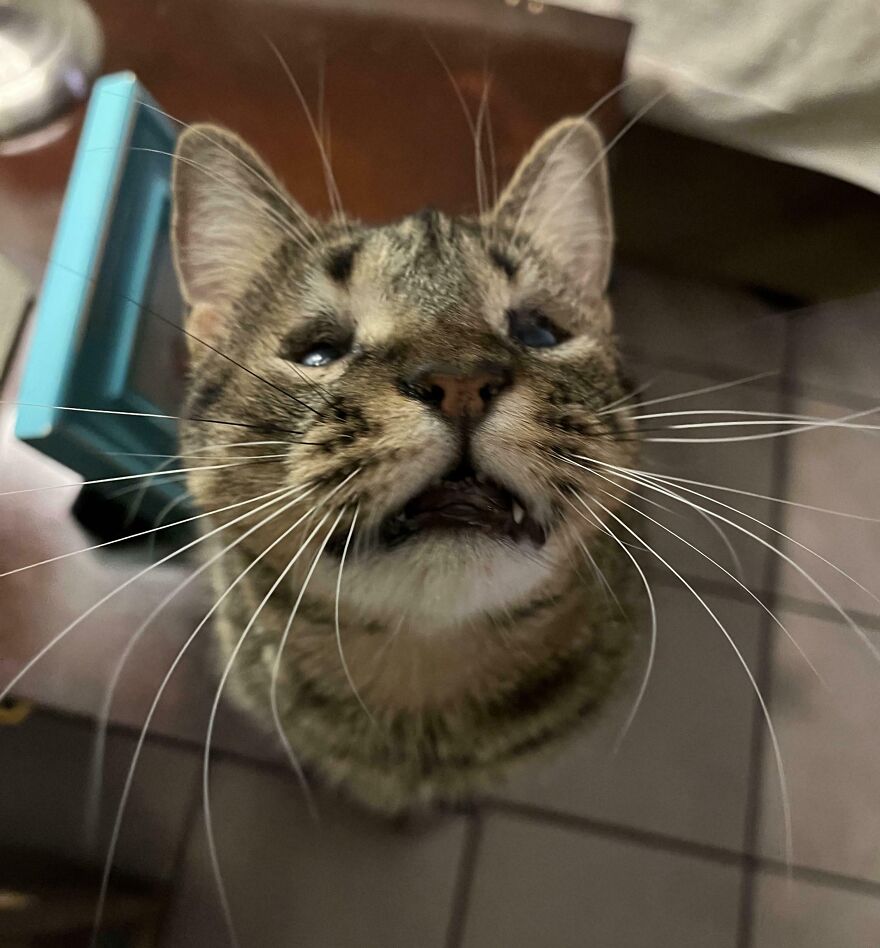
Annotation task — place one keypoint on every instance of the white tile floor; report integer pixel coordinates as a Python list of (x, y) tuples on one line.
[(675, 841)]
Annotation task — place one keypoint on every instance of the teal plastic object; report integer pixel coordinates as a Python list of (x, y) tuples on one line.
[(106, 359)]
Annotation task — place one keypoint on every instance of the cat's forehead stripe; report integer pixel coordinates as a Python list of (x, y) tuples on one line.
[(340, 262), (503, 262)]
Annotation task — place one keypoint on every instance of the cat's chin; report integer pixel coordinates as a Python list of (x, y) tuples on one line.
[(445, 577)]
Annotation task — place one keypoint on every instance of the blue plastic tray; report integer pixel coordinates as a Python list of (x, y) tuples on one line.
[(102, 338)]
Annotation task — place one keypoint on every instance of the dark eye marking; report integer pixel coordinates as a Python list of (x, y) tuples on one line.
[(340, 263), (530, 327), (317, 343), (503, 262)]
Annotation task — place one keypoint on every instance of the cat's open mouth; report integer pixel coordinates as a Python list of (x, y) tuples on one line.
[(464, 500)]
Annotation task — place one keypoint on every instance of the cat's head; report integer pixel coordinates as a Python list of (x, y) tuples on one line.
[(446, 365)]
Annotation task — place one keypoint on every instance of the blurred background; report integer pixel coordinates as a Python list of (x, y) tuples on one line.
[(745, 180)]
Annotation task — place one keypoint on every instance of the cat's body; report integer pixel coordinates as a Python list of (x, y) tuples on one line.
[(427, 386)]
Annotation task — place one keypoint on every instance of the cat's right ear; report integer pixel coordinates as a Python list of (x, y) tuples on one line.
[(230, 215)]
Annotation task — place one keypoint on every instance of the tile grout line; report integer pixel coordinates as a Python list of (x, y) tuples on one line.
[(653, 839), (649, 839), (178, 868), (764, 670), (461, 898)]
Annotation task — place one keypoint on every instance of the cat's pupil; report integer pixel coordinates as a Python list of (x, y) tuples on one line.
[(319, 355), (533, 329)]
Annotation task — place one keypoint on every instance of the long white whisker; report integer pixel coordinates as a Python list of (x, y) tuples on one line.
[(345, 668), (714, 562), (124, 585), (278, 192), (611, 406), (777, 753), (125, 477), (103, 718), (835, 605), (126, 789), (600, 576), (207, 447), (276, 667), (329, 178), (479, 167), (196, 457), (814, 425), (206, 759), (598, 159), (652, 649), (260, 203), (142, 533), (563, 141), (775, 500), (705, 390), (142, 489)]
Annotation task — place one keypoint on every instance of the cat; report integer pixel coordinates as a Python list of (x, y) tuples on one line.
[(417, 601)]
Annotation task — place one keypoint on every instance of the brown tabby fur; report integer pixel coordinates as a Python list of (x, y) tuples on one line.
[(466, 651)]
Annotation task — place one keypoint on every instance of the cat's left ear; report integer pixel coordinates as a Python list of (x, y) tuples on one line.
[(559, 199), (230, 216)]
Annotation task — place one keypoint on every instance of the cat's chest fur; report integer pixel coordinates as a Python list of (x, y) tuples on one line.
[(413, 717)]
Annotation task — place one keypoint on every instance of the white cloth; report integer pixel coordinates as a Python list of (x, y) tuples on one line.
[(795, 80)]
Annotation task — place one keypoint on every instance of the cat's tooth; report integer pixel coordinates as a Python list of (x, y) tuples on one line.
[(518, 513)]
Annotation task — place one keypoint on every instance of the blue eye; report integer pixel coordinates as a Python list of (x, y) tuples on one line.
[(319, 355), (532, 328)]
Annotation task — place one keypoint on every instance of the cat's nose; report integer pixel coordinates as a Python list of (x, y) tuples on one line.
[(459, 393)]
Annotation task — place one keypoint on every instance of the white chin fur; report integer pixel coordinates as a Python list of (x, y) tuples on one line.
[(444, 580)]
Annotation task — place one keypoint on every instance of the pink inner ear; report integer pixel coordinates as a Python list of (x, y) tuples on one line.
[(204, 322)]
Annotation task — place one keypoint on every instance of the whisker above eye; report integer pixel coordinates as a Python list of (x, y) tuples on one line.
[(279, 193), (329, 178), (262, 205)]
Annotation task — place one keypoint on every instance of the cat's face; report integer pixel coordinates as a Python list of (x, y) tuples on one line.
[(443, 365)]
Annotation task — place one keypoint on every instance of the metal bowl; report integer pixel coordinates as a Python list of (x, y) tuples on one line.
[(50, 51)]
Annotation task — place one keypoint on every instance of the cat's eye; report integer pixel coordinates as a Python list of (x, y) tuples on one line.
[(322, 354), (315, 349), (532, 328)]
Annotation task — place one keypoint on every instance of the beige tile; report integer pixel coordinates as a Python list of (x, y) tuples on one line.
[(799, 914), (837, 469), (830, 750), (43, 796), (539, 885), (745, 466), (347, 880), (663, 316), (683, 768), (837, 345)]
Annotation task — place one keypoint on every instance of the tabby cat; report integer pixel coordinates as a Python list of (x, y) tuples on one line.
[(415, 602)]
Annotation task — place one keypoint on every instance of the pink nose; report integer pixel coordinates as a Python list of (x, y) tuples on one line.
[(463, 396)]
